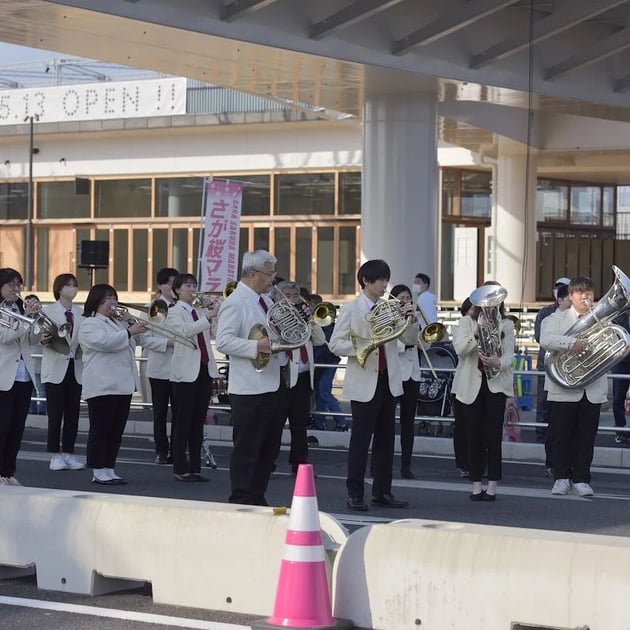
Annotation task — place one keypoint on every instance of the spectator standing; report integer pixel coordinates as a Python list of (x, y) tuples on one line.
[(620, 386), (425, 300)]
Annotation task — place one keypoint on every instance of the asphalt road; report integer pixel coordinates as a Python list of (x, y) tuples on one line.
[(437, 493)]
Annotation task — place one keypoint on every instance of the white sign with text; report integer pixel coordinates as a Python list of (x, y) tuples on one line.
[(94, 101)]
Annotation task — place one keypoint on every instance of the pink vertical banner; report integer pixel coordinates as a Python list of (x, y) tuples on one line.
[(219, 254)]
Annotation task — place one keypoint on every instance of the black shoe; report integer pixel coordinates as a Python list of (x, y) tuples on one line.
[(357, 504), (161, 459), (341, 427), (118, 481), (488, 497), (388, 500), (187, 477), (169, 459), (478, 496), (406, 473), (198, 477), (104, 482)]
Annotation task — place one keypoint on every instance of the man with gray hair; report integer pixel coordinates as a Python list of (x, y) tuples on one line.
[(253, 392)]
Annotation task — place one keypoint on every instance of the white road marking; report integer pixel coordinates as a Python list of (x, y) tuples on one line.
[(113, 613)]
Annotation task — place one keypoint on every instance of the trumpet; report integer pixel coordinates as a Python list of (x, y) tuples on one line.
[(228, 289), (11, 319), (122, 313)]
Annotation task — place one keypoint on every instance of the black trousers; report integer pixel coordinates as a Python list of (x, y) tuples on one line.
[(63, 402), (574, 431), (191, 408), (162, 394), (14, 404), (295, 404), (373, 418), (408, 405), (619, 392), (460, 435), (108, 417), (484, 421), (257, 431)]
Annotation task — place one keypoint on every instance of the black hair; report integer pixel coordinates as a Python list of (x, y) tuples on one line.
[(316, 298), (373, 270), (424, 278), (581, 283), (562, 292), (96, 297), (8, 275), (165, 274), (465, 307), (180, 279), (61, 281), (399, 288)]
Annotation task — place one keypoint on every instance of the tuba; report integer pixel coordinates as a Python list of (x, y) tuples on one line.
[(488, 298), (287, 329), (606, 343), (387, 322)]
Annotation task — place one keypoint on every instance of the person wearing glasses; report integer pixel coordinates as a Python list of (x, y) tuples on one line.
[(17, 371), (110, 377), (253, 391), (62, 375)]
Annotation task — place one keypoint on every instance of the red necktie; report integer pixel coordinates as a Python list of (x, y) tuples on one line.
[(261, 301), (303, 354), (382, 360), (201, 341), (70, 320)]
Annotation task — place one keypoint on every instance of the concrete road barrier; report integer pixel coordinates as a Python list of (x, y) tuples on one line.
[(438, 575), (205, 555)]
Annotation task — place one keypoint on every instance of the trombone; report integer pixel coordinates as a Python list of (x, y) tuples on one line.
[(122, 313)]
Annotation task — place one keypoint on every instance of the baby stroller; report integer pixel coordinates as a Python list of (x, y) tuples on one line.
[(219, 396)]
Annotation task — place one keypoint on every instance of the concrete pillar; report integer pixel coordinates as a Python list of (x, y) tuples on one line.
[(512, 245), (399, 216)]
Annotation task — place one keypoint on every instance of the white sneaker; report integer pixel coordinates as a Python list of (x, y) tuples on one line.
[(3, 481), (72, 463), (12, 481), (561, 486), (583, 489), (58, 462)]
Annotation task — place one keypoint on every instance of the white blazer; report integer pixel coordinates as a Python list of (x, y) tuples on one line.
[(360, 383), (409, 362), (55, 364), (186, 362), (318, 338), (238, 314), (553, 337), (13, 344), (109, 364), (467, 379)]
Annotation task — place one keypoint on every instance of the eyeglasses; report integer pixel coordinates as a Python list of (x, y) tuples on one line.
[(15, 286), (269, 274)]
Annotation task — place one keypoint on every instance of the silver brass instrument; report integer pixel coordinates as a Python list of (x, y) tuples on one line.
[(14, 320), (54, 335), (122, 314), (606, 343), (286, 329), (228, 289), (387, 322), (488, 298)]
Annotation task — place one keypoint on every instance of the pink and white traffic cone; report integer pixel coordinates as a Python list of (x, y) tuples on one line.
[(303, 595)]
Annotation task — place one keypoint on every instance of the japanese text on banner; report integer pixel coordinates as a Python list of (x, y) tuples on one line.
[(219, 255)]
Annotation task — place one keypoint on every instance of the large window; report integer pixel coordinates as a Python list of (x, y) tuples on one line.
[(123, 198), (179, 197), (349, 193), (585, 206), (476, 195), (13, 200), (256, 194), (59, 200), (307, 193)]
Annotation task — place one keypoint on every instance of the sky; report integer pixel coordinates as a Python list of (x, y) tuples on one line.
[(10, 53)]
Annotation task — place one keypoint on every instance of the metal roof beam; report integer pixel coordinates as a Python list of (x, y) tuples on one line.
[(459, 17), (567, 14), (590, 54), (353, 13), (238, 8)]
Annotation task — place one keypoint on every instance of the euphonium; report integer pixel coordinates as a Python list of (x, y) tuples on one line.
[(286, 328), (488, 298), (387, 322), (606, 343), (54, 335)]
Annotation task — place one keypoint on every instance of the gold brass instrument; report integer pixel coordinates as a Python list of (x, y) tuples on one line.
[(122, 314), (54, 335), (387, 322), (488, 298), (324, 314), (14, 320), (432, 332), (606, 343), (228, 289), (286, 329)]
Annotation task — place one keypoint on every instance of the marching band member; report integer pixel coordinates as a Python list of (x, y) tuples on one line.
[(257, 429), (483, 397), (159, 373), (110, 377), (372, 390), (192, 371), (17, 373), (62, 374), (295, 401), (410, 374)]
